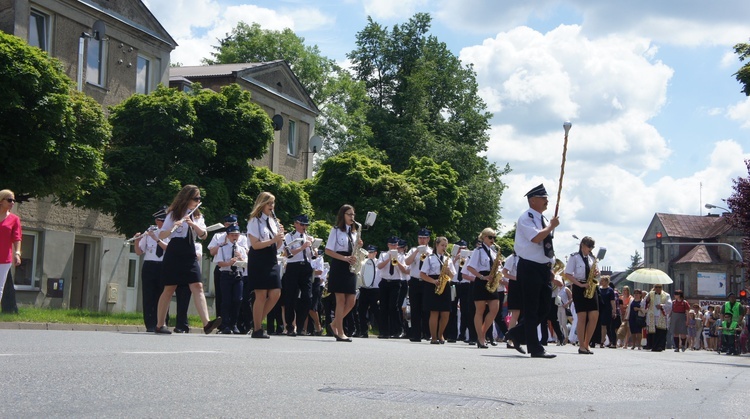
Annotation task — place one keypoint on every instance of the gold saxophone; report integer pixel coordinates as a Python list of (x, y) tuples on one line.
[(444, 278), (591, 282), (496, 274), (358, 252)]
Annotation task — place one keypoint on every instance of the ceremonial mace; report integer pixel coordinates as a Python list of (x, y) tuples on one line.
[(566, 126)]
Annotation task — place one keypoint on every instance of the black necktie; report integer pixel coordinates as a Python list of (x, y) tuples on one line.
[(391, 268), (304, 253), (159, 250), (549, 250)]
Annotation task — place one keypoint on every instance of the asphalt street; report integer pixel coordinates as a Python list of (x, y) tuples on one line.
[(56, 373)]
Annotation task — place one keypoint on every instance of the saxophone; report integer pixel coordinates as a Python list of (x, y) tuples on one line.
[(591, 282), (496, 274), (358, 252), (444, 278)]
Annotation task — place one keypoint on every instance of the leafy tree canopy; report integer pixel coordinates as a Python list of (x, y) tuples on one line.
[(340, 98), (743, 74), (52, 139), (167, 139), (739, 203)]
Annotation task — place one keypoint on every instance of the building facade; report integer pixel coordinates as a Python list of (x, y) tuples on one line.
[(699, 253), (74, 258), (275, 88)]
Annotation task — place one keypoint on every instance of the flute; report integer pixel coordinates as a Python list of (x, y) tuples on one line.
[(175, 227)]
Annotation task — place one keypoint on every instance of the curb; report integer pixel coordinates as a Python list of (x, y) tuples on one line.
[(71, 326)]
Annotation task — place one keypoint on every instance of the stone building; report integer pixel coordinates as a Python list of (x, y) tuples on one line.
[(697, 253), (74, 258), (275, 88)]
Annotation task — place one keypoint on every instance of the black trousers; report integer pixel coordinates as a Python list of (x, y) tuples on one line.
[(245, 318), (451, 330), (367, 307), (415, 306), (466, 302), (182, 295), (537, 292), (402, 327), (231, 290), (297, 290), (552, 317), (151, 289), (217, 290), (660, 340), (390, 312), (502, 327)]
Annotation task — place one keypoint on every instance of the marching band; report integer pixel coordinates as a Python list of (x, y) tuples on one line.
[(422, 293)]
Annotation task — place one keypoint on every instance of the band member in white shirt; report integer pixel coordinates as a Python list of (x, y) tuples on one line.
[(587, 309), (182, 226), (391, 266), (368, 292), (297, 280), (217, 240), (266, 236), (480, 265), (149, 245), (231, 278), (437, 304), (342, 282), (415, 260)]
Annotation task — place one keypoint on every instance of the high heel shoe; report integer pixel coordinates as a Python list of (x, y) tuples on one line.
[(481, 345), (340, 339)]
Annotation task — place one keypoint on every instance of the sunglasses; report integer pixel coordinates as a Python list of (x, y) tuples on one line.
[(11, 200), (197, 199), (491, 237), (351, 214)]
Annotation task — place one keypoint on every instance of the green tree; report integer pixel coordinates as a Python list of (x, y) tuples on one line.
[(52, 139), (368, 185), (425, 103), (739, 203), (340, 99), (291, 197), (167, 139), (636, 262), (444, 201), (743, 74)]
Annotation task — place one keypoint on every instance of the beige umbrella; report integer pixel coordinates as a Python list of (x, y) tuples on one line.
[(649, 276)]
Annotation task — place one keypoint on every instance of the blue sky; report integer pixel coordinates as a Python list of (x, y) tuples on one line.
[(648, 87)]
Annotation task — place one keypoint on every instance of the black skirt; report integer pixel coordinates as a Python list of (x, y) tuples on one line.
[(432, 301), (340, 279), (480, 289), (180, 265), (264, 271), (582, 303)]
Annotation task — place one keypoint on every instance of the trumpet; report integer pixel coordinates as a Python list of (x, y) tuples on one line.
[(175, 227), (141, 235), (394, 257)]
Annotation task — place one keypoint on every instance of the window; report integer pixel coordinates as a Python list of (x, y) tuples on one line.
[(95, 59), (25, 277), (661, 254), (39, 30), (291, 145), (143, 75), (650, 256)]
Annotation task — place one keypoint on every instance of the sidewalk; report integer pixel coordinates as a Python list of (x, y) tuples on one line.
[(72, 326)]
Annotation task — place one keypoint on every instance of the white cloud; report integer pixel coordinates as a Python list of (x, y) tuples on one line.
[(392, 9), (197, 25), (740, 112), (687, 23), (611, 88)]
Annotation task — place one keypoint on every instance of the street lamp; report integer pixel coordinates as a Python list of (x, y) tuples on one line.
[(712, 206)]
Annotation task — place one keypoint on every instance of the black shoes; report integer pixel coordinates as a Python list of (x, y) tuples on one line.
[(515, 346), (415, 340), (225, 332), (480, 345), (340, 339), (585, 352), (211, 325), (383, 337), (546, 355), (178, 330), (291, 334), (260, 334), (164, 330)]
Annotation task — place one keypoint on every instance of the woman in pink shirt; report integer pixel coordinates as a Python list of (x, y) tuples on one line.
[(10, 236)]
